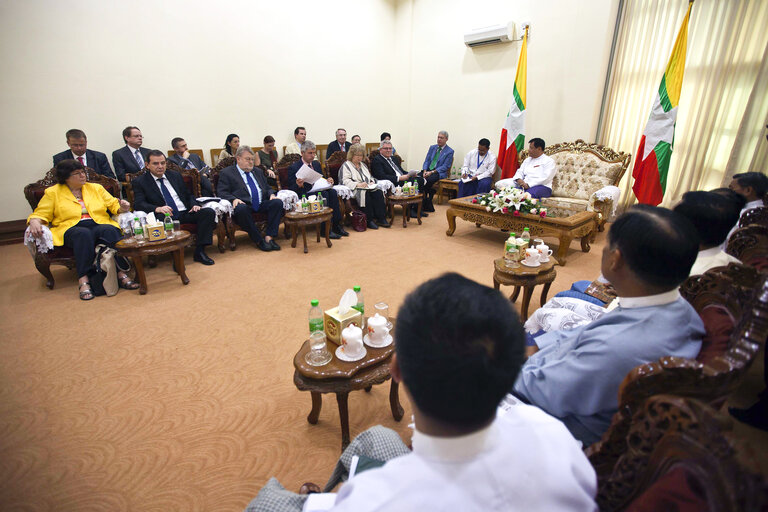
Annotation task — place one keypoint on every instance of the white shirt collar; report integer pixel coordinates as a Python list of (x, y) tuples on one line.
[(752, 204), (649, 300), (709, 253), (454, 448)]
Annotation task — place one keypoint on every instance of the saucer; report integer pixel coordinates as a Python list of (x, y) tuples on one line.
[(544, 261), (344, 357), (530, 265), (385, 343)]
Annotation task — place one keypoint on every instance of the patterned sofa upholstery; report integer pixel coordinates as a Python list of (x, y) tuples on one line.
[(584, 171)]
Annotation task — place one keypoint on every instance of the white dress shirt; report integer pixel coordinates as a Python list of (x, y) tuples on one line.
[(75, 157), (711, 258), (179, 203), (486, 167), (525, 460), (537, 171)]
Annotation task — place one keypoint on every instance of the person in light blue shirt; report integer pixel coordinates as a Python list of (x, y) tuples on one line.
[(575, 375)]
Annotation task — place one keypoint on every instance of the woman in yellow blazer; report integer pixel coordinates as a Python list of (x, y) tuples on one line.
[(77, 213)]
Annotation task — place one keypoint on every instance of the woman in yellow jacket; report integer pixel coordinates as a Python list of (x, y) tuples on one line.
[(77, 213)]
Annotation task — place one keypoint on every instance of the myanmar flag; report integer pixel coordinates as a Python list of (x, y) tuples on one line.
[(513, 132), (652, 158)]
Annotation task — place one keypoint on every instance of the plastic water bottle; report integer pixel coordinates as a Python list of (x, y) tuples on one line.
[(138, 229), (168, 224), (315, 317), (526, 236), (416, 186), (360, 306), (304, 204), (511, 254)]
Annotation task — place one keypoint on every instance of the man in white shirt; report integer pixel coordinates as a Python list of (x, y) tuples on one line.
[(479, 166), (536, 173), (300, 134), (458, 349)]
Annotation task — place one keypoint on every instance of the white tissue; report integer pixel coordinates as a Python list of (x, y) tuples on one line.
[(151, 218), (348, 300)]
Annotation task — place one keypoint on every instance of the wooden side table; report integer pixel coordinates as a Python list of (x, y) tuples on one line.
[(341, 377), (446, 184), (526, 278), (299, 221), (131, 248), (405, 202)]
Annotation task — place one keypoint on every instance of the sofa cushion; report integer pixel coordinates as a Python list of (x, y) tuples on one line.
[(579, 175)]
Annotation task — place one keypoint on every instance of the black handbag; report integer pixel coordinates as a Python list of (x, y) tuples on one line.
[(359, 220)]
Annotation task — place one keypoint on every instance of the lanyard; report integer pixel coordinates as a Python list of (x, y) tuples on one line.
[(479, 163)]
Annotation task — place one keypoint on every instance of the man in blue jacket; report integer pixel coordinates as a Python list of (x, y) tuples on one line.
[(436, 166)]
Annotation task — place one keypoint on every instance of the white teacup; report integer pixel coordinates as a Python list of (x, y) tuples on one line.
[(352, 340), (532, 256), (544, 252), (377, 328)]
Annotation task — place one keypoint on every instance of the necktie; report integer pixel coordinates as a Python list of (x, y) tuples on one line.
[(168, 198), (255, 201), (188, 164), (433, 163), (139, 160), (80, 159), (394, 167)]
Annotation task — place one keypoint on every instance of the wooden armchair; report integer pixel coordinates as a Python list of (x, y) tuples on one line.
[(750, 245), (676, 455), (755, 216), (333, 166), (60, 255)]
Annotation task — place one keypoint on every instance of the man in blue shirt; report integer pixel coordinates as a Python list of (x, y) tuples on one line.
[(436, 166)]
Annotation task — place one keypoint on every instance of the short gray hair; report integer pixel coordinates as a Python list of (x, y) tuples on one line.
[(307, 145), (443, 132), (340, 129), (243, 149), (385, 142)]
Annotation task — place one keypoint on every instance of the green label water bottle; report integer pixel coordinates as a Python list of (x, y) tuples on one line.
[(168, 224), (360, 306), (315, 317)]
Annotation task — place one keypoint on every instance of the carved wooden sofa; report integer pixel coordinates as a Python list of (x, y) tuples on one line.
[(749, 244), (583, 171), (60, 255)]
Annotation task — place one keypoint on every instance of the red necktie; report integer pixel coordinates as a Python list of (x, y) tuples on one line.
[(80, 159)]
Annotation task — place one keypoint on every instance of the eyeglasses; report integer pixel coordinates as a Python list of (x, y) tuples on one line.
[(81, 171)]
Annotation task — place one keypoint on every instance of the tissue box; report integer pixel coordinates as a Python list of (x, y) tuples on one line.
[(315, 206), (334, 323), (155, 232)]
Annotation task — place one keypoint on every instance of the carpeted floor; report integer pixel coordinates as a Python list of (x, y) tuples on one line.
[(183, 399)]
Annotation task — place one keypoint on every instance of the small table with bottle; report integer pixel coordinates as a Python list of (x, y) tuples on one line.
[(405, 196), (308, 214)]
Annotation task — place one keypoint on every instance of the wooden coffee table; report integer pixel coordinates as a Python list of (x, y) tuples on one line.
[(526, 278), (341, 377), (130, 248), (579, 224), (405, 202), (299, 221)]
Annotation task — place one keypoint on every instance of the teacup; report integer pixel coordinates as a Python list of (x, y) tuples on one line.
[(352, 340), (544, 252), (377, 328), (532, 256)]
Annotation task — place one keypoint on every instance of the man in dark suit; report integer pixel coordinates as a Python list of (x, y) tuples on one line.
[(164, 192), (308, 153), (249, 192), (78, 150), (132, 157), (340, 144), (384, 168), (186, 160)]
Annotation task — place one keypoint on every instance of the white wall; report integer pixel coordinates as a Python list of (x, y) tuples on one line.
[(187, 68)]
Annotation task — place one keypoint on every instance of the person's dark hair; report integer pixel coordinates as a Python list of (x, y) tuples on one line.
[(657, 244), (460, 346), (296, 131), (757, 180), (155, 152), (74, 133), (229, 139), (713, 215), (384, 135), (538, 143), (269, 139), (65, 168), (127, 132), (175, 141), (485, 143), (734, 196)]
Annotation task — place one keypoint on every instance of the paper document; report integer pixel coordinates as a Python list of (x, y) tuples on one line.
[(319, 502), (308, 174), (320, 184), (467, 179)]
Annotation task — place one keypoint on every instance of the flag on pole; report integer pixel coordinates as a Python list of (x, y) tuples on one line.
[(653, 155), (513, 131)]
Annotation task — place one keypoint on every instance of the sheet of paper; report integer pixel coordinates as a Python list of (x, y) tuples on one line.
[(320, 184), (319, 502), (308, 174), (467, 179)]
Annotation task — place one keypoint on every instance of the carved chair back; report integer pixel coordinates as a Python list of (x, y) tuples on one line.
[(754, 216), (283, 166), (371, 146), (198, 152), (224, 163), (333, 165), (191, 177), (34, 191), (321, 150), (750, 245)]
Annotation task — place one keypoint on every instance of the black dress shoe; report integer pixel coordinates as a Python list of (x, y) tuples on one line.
[(203, 258), (383, 224), (340, 230), (264, 246), (372, 225), (273, 245), (334, 235)]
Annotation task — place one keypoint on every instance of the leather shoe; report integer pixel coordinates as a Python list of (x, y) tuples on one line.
[(372, 225), (334, 235), (340, 230), (264, 246), (203, 258), (383, 224), (273, 245)]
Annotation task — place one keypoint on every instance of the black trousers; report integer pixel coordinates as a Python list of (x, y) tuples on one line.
[(82, 239), (206, 189), (205, 218), (273, 208), (429, 191), (374, 205), (333, 203)]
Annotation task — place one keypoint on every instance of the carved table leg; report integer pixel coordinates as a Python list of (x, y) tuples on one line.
[(394, 401), (319, 229), (450, 214), (328, 233), (544, 293), (294, 235), (418, 211), (317, 404), (304, 238), (515, 294), (585, 242), (341, 398), (180, 269), (139, 264), (562, 250), (496, 284), (368, 389), (527, 292), (406, 214)]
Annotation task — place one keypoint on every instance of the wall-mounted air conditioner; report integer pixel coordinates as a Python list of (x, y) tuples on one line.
[(490, 35)]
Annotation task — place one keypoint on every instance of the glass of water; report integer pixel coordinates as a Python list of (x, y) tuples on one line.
[(382, 308), (318, 354), (176, 228)]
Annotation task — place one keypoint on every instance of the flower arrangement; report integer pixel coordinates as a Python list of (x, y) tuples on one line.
[(511, 199)]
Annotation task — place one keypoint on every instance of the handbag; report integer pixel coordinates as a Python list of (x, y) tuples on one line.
[(359, 220), (103, 273)]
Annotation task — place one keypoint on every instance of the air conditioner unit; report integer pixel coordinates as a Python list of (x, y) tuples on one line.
[(490, 35)]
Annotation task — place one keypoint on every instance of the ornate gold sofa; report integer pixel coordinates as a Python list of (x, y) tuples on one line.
[(584, 171)]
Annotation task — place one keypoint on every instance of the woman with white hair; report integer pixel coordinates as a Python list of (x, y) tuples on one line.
[(356, 176)]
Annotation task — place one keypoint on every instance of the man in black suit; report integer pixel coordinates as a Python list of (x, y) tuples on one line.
[(249, 192), (308, 153), (340, 144), (132, 157), (78, 150), (384, 168), (186, 160), (164, 192)]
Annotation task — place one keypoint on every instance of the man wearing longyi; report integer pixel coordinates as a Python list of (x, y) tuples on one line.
[(468, 454), (536, 173)]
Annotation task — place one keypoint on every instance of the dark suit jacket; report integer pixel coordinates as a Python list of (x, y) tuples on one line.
[(193, 158), (124, 161), (231, 185), (95, 160), (147, 197), (334, 147), (381, 169), (291, 185)]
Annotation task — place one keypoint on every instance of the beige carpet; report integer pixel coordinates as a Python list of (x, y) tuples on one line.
[(183, 399)]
